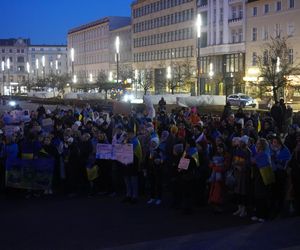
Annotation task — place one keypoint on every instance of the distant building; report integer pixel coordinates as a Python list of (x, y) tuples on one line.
[(16, 52), (93, 45), (222, 46), (56, 60), (266, 19), (163, 35), (22, 57)]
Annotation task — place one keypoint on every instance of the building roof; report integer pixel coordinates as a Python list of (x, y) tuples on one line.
[(115, 22), (14, 41), (47, 45)]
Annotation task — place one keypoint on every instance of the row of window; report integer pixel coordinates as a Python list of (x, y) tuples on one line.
[(278, 7), (12, 50), (20, 59), (176, 35), (157, 6), (178, 17), (266, 57), (90, 34), (48, 49), (163, 54), (277, 31)]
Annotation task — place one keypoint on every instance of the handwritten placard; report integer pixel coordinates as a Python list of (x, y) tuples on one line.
[(184, 163), (104, 151), (123, 153)]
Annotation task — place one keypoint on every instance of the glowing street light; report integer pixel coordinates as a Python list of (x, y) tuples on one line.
[(74, 79), (169, 73), (277, 65), (110, 76), (91, 78), (72, 52), (2, 69), (43, 64), (8, 77), (56, 66), (198, 27), (211, 71), (118, 55)]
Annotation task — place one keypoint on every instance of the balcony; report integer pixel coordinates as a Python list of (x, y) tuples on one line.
[(235, 21), (202, 4)]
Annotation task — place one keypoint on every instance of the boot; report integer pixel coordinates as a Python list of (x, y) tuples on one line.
[(237, 212)]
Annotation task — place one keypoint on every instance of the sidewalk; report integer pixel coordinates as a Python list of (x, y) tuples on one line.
[(281, 234)]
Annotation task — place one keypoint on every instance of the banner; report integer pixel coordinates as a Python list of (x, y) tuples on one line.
[(184, 163), (119, 152), (29, 174), (104, 151)]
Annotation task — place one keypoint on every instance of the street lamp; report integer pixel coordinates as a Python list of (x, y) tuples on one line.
[(8, 77), (198, 25), (28, 71), (277, 64), (2, 69), (211, 71), (169, 75), (91, 78), (37, 68), (72, 59), (110, 76), (136, 77), (74, 79), (117, 55), (56, 66), (43, 64)]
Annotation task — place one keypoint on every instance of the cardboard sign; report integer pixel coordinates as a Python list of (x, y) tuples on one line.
[(47, 122), (104, 151), (119, 152), (184, 163), (123, 153)]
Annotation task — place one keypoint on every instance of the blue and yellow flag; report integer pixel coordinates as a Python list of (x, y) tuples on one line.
[(193, 152), (137, 149)]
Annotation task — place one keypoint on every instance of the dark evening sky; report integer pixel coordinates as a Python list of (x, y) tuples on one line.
[(47, 21)]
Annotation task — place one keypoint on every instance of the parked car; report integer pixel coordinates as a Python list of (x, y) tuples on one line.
[(241, 100)]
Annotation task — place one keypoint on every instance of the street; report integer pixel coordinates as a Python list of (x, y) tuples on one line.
[(104, 222)]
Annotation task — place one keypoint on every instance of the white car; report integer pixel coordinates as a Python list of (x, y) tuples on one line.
[(241, 100)]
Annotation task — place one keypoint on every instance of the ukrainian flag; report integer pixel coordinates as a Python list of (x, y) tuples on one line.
[(137, 149), (193, 152)]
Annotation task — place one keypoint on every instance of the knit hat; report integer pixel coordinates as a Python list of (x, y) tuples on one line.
[(245, 139), (154, 142), (174, 129)]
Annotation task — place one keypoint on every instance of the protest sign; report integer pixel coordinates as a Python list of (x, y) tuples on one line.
[(104, 151), (123, 153), (29, 174), (184, 163), (47, 122)]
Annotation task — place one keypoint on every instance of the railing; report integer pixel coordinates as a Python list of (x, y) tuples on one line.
[(234, 20)]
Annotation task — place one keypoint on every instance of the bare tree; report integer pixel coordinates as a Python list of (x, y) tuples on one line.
[(275, 66), (145, 80), (103, 83)]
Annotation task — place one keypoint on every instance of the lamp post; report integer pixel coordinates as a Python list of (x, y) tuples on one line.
[(8, 77), (136, 78), (91, 78), (198, 25), (74, 79), (37, 68), (211, 72), (72, 60), (43, 64), (56, 67), (169, 75), (28, 71), (117, 55), (2, 69)]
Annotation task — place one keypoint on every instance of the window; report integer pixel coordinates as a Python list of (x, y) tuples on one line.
[(240, 11), (265, 57), (233, 12), (233, 36), (254, 11), (254, 34), (266, 8), (254, 59), (265, 33), (290, 29), (278, 6), (291, 56), (3, 50), (10, 50), (291, 4), (240, 35), (221, 36)]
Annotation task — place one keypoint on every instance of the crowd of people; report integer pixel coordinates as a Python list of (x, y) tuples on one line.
[(242, 158)]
